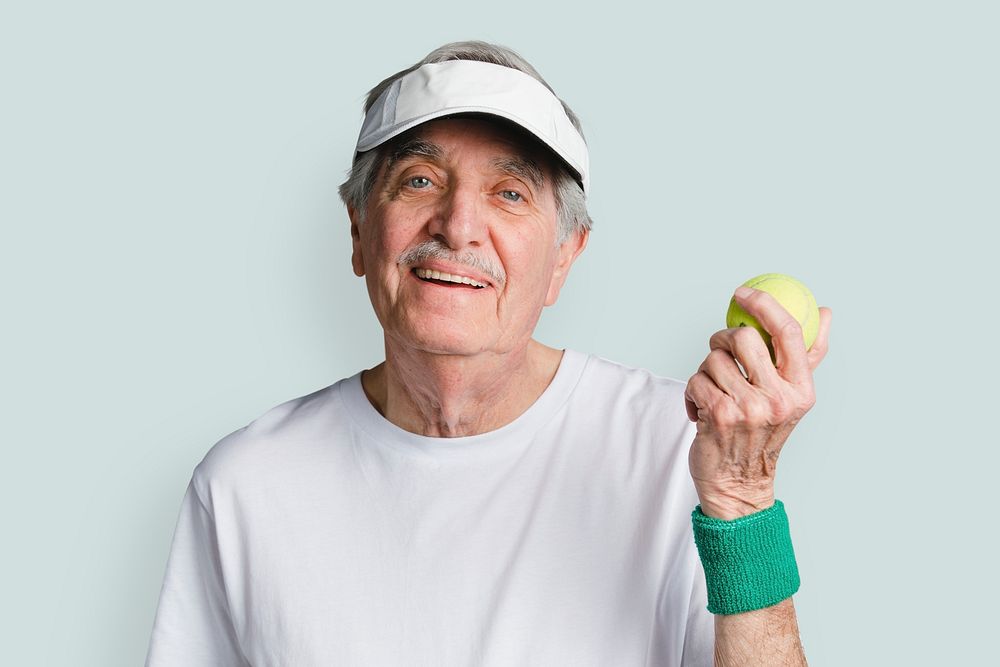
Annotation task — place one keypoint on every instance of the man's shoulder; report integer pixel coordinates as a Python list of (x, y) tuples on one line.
[(621, 379), (630, 396), (635, 418), (283, 431)]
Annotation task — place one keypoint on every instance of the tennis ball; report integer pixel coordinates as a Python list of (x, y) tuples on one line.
[(790, 293)]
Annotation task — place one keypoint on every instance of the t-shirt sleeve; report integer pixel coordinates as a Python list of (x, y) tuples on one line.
[(699, 634), (193, 626)]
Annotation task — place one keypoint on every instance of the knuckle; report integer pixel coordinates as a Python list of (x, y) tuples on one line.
[(726, 415), (695, 383), (791, 328), (717, 338), (717, 358), (747, 339), (790, 409), (750, 344), (808, 399), (781, 409), (756, 412), (744, 334)]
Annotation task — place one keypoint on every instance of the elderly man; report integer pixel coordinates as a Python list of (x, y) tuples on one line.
[(479, 498)]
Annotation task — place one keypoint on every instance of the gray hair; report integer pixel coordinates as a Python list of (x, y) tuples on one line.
[(570, 200)]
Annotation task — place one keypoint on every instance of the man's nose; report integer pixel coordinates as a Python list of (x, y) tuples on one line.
[(459, 221)]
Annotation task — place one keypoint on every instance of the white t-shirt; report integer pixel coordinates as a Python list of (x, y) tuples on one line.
[(323, 535)]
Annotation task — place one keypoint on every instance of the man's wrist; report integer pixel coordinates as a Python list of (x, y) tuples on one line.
[(734, 506)]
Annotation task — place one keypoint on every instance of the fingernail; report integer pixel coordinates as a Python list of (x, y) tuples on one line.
[(743, 292)]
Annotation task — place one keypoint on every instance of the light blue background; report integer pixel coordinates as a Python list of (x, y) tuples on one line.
[(174, 261)]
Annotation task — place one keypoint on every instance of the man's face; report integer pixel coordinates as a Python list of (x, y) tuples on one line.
[(484, 198)]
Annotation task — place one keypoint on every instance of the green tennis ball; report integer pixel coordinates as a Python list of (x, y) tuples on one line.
[(790, 293)]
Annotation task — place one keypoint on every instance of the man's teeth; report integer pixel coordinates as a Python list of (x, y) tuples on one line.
[(438, 275)]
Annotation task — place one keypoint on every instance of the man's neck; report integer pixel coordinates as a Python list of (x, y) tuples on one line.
[(451, 396)]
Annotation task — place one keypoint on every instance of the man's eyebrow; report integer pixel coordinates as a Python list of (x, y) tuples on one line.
[(410, 148), (520, 167)]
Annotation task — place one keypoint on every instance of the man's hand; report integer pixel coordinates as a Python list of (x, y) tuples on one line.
[(743, 422), (744, 419)]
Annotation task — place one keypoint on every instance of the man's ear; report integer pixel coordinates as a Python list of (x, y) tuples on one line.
[(357, 259), (568, 252)]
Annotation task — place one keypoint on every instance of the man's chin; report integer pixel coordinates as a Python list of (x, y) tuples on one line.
[(441, 342)]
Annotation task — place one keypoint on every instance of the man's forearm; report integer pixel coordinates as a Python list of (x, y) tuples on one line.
[(768, 636)]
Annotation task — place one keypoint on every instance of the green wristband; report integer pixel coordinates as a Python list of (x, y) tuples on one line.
[(749, 563)]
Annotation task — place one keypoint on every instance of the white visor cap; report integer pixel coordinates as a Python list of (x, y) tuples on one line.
[(468, 86)]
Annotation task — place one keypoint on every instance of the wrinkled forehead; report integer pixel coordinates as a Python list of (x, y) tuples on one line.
[(517, 151)]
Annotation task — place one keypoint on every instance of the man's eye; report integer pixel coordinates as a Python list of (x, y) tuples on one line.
[(511, 195), (418, 182)]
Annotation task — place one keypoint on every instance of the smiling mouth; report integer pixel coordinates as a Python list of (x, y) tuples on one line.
[(447, 279)]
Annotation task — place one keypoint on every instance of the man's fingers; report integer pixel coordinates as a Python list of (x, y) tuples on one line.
[(747, 346), (699, 394), (786, 334), (692, 409), (822, 343), (722, 368)]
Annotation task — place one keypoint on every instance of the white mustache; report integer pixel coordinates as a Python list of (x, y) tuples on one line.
[(434, 249)]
